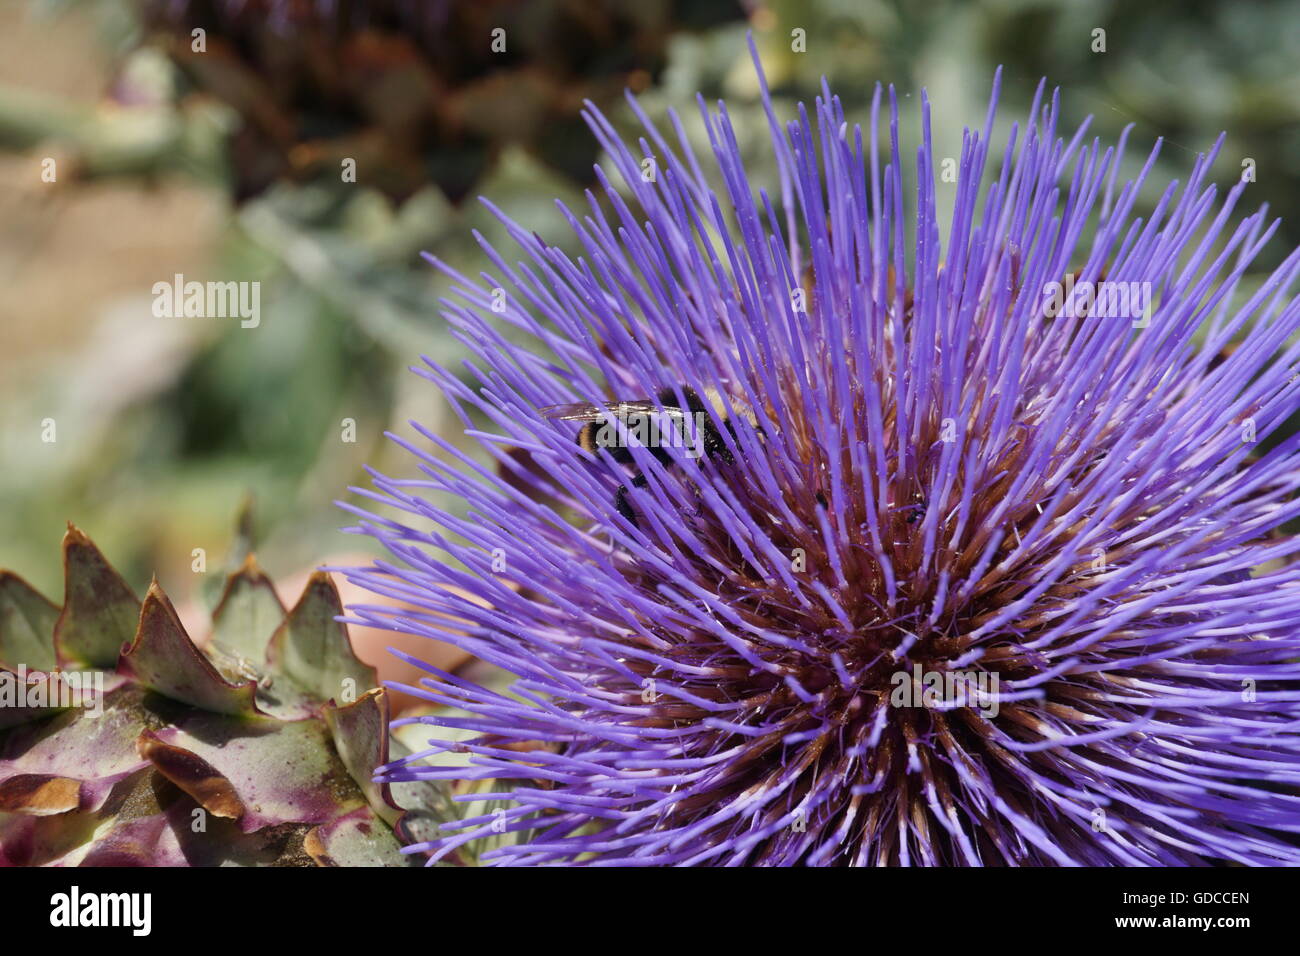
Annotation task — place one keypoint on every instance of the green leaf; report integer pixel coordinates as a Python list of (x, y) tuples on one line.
[(19, 692), (100, 611), (98, 751), (312, 650), (248, 614), (358, 838), (27, 621), (281, 771), (164, 659), (198, 778), (240, 549), (27, 840), (39, 794), (360, 732)]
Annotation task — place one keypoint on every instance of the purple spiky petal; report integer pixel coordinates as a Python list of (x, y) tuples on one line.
[(931, 468)]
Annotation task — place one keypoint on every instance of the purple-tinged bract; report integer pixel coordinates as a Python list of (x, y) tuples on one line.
[(1034, 454)]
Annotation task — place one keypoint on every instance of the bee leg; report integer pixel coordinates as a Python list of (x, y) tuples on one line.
[(621, 500), (624, 507)]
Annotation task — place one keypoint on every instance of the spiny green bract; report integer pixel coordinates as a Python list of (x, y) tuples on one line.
[(257, 749)]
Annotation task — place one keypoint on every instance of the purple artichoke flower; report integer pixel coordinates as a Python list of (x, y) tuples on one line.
[(971, 550)]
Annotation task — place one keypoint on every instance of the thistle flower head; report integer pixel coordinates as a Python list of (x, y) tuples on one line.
[(398, 95), (1008, 455)]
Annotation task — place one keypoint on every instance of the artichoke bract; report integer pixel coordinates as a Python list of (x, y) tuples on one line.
[(123, 742)]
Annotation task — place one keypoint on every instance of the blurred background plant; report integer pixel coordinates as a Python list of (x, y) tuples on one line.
[(225, 164)]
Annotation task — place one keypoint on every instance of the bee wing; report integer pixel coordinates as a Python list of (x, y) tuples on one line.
[(575, 412), (586, 412)]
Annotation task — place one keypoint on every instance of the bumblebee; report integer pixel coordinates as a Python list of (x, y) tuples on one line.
[(654, 425)]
